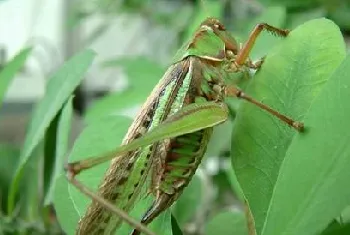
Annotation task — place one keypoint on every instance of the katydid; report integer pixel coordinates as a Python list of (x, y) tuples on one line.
[(169, 136)]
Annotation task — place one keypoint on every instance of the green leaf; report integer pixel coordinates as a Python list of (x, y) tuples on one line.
[(8, 72), (60, 86), (29, 187), (140, 70), (298, 4), (61, 147), (66, 212), (8, 161), (96, 138), (50, 142), (292, 76), (345, 215), (143, 75), (175, 226), (161, 225), (220, 140), (187, 205), (206, 9), (337, 230), (97, 32), (236, 187), (297, 18), (340, 14), (227, 222), (312, 186)]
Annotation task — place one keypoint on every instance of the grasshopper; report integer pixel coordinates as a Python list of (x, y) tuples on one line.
[(166, 141)]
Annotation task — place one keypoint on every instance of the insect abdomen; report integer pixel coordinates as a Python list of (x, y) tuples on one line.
[(182, 160)]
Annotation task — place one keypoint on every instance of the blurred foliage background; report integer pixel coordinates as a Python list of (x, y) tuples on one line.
[(212, 199)]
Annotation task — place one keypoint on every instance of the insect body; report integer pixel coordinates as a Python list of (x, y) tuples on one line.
[(199, 76)]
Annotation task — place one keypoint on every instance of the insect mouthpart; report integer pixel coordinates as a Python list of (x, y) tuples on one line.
[(230, 55)]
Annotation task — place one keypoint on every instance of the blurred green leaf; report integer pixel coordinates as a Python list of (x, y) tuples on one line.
[(297, 18), (175, 226), (161, 225), (60, 86), (340, 229), (220, 140), (205, 10), (340, 13), (58, 155), (292, 76), (97, 32), (143, 75), (8, 72), (275, 16), (97, 138), (75, 15), (187, 205), (30, 195), (227, 222), (321, 158), (9, 156), (236, 187), (295, 4), (140, 70), (50, 141), (345, 215)]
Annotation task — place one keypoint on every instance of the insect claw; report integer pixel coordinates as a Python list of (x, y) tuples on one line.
[(299, 126), (72, 169)]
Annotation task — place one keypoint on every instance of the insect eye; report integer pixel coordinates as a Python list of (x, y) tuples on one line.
[(230, 54)]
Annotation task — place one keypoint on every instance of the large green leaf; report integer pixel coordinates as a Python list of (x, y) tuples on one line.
[(312, 185), (60, 86), (227, 222), (188, 203), (292, 76), (56, 158), (11, 69), (96, 139)]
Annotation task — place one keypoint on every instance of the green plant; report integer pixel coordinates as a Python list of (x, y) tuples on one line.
[(294, 183)]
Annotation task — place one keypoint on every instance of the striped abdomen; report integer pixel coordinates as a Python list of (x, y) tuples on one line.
[(181, 162), (180, 157)]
